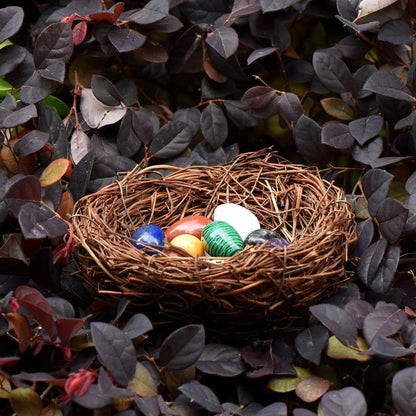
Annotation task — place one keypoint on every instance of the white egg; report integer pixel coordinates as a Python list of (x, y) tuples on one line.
[(243, 220)]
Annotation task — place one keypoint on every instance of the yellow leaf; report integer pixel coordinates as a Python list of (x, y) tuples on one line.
[(339, 351), (5, 388), (286, 384), (54, 172), (143, 384)]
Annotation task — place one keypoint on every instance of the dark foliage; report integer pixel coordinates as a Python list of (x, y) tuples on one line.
[(92, 88)]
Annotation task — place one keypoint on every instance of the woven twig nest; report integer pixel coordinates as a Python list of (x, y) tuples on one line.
[(258, 287)]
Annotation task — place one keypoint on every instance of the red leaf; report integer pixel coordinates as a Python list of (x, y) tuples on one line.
[(35, 303), (22, 328), (79, 32), (68, 327)]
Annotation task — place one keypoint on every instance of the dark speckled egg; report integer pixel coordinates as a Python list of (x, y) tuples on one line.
[(149, 234), (260, 236)]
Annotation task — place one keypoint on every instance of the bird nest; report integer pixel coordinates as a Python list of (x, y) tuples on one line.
[(258, 287)]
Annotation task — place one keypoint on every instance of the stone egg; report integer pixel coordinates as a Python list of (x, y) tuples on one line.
[(189, 243), (240, 218), (192, 224), (220, 239), (260, 235), (277, 242), (149, 234)]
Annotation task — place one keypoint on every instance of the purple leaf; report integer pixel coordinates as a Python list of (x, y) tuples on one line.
[(186, 54), (142, 125), (96, 114), (190, 116), (368, 153), (332, 72), (386, 319), (259, 53), (387, 84), (337, 135), (365, 128), (148, 405), (20, 116), (239, 114), (259, 97), (26, 189), (220, 360), (303, 412), (347, 401), (137, 325), (126, 40), (54, 71), (214, 126), (183, 347), (411, 184), (80, 145), (10, 57), (115, 350), (377, 265), (245, 7), (338, 321), (224, 40), (30, 143), (38, 221), (359, 309), (396, 32), (392, 216), (308, 140), (275, 409), (310, 343), (290, 106), (365, 236), (376, 184), (403, 390), (388, 347), (275, 5), (53, 44), (104, 90), (127, 141), (154, 11), (204, 154), (171, 140), (11, 19), (201, 395), (36, 88)]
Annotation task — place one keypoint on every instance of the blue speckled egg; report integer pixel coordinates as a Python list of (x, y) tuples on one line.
[(220, 239), (149, 234)]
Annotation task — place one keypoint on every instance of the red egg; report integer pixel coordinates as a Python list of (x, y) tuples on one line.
[(193, 224)]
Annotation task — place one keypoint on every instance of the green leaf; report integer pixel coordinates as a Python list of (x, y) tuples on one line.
[(339, 351), (25, 402), (286, 384), (5, 388)]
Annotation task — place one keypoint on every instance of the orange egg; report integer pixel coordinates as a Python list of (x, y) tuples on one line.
[(189, 243), (192, 224)]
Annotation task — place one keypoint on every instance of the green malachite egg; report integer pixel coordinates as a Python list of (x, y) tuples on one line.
[(220, 239)]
